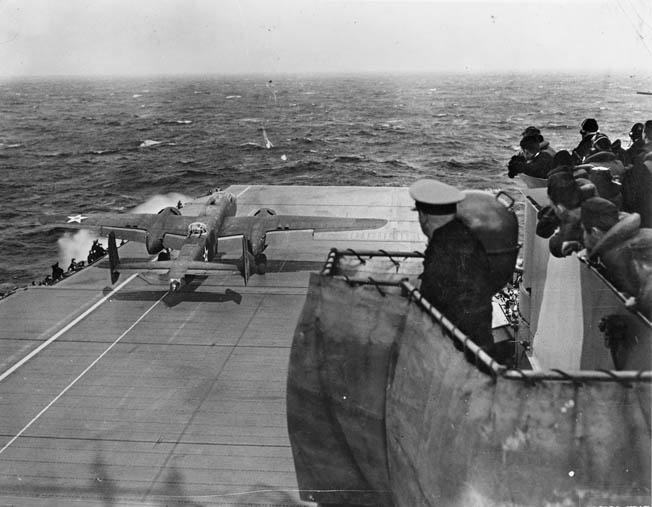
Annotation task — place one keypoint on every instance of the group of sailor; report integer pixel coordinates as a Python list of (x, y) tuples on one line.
[(538, 159), (96, 251), (600, 203), (600, 207)]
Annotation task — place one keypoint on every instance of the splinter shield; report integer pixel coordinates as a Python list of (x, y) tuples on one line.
[(458, 437), (389, 404), (336, 393)]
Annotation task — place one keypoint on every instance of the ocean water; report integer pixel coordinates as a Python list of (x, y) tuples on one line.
[(96, 145)]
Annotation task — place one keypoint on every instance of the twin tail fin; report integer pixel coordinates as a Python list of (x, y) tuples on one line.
[(114, 259)]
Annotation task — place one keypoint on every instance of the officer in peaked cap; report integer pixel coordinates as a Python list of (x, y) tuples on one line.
[(456, 268), (436, 203)]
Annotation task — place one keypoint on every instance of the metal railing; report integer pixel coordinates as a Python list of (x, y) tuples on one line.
[(482, 358)]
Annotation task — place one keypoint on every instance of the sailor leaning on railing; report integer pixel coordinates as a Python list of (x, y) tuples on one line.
[(585, 218), (614, 232)]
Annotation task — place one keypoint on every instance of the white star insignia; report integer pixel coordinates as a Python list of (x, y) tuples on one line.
[(76, 218)]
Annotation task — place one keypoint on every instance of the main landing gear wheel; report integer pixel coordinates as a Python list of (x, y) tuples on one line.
[(261, 263)]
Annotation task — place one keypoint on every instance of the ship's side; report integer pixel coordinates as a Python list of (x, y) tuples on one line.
[(564, 302)]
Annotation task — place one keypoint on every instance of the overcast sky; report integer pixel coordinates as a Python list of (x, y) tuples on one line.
[(128, 37)]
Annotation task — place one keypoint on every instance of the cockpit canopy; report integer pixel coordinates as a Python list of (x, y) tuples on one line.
[(197, 229)]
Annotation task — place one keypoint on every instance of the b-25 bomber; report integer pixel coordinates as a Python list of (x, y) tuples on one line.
[(196, 237)]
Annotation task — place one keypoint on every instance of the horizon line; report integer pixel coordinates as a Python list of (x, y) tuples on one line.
[(349, 73)]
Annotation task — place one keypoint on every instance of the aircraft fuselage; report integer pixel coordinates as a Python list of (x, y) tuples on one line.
[(218, 207), (202, 239)]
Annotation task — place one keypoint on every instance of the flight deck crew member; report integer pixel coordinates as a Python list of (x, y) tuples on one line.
[(455, 267), (57, 272)]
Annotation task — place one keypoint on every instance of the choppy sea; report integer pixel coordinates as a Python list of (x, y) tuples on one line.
[(95, 145)]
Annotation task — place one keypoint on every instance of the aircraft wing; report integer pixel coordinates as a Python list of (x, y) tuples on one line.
[(174, 241), (128, 226), (189, 268), (233, 226)]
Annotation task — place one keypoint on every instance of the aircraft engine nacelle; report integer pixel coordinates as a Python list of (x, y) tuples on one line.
[(170, 210), (154, 244), (154, 240), (264, 212)]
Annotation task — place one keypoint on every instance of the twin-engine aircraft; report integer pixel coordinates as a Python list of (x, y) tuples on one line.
[(196, 237)]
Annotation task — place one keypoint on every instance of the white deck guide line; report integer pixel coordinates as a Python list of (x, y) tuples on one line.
[(106, 351), (238, 196), (38, 349)]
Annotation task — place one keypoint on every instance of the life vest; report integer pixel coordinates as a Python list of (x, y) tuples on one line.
[(627, 227), (600, 156), (495, 225)]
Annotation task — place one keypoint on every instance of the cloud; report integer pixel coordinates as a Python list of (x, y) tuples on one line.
[(257, 36)]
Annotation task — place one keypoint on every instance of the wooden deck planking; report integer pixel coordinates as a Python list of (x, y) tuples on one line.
[(188, 407)]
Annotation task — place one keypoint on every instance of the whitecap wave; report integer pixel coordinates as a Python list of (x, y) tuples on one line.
[(148, 143), (252, 145), (268, 143)]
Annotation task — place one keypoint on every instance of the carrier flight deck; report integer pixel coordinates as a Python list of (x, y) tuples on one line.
[(128, 395)]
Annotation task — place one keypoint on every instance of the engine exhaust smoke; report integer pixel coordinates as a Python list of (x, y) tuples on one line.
[(157, 202)]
